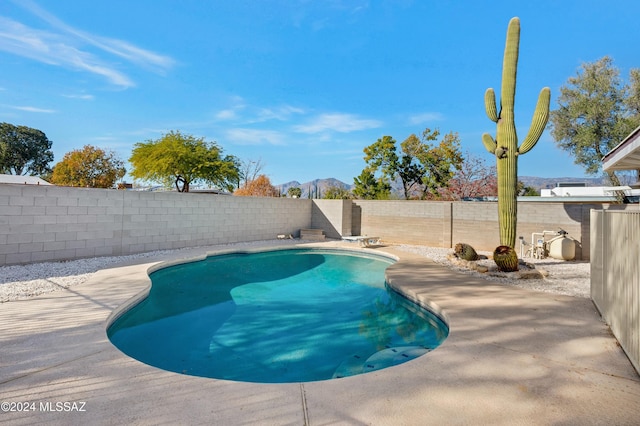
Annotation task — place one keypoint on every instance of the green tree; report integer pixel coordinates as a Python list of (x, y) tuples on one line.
[(181, 160), (410, 169), (381, 156), (440, 161), (88, 167), (337, 193), (597, 111), (420, 165), (24, 150), (525, 190), (367, 187), (294, 192)]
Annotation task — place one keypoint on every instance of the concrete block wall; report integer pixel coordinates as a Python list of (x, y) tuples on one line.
[(410, 222), (49, 223), (443, 224), (41, 223), (476, 223), (334, 217)]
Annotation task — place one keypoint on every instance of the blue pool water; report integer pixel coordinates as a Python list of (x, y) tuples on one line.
[(274, 317)]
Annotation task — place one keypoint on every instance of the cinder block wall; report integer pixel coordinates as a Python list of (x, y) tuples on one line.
[(333, 217), (410, 222), (476, 223), (44, 223), (443, 224)]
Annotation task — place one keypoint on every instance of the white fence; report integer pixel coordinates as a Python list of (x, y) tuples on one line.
[(615, 275)]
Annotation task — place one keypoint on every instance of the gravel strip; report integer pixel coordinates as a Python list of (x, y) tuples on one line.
[(25, 281), (19, 282), (570, 278)]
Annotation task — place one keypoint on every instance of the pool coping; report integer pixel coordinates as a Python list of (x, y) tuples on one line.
[(513, 356)]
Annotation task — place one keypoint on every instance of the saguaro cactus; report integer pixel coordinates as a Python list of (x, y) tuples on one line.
[(505, 145)]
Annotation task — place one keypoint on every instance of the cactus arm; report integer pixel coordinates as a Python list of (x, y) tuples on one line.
[(489, 143), (509, 67), (490, 105), (539, 121)]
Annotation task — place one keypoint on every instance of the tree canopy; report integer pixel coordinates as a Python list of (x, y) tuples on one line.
[(423, 167), (294, 192), (368, 187), (337, 193), (181, 160), (24, 150), (258, 187), (597, 111), (474, 179), (88, 167)]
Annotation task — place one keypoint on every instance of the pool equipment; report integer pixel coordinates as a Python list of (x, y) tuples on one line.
[(555, 244), (562, 247)]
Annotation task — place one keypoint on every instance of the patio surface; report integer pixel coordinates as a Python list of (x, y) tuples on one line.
[(513, 357)]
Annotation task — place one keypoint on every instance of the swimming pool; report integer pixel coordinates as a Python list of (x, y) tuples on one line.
[(277, 316)]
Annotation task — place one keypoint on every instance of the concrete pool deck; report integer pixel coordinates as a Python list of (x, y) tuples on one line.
[(513, 356)]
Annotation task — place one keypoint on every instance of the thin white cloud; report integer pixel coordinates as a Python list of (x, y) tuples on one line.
[(231, 113), (34, 109), (240, 112), (52, 49), (68, 47), (117, 47), (337, 122), (82, 97), (226, 114), (281, 113), (242, 136), (425, 117)]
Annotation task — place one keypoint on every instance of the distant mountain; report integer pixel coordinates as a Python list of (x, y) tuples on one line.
[(317, 186)]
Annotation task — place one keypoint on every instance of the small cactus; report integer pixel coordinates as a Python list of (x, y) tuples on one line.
[(506, 258), (465, 252)]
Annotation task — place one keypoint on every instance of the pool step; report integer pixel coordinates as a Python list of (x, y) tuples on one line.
[(350, 367), (312, 234), (357, 364), (393, 356)]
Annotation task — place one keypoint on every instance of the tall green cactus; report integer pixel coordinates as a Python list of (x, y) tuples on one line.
[(505, 146)]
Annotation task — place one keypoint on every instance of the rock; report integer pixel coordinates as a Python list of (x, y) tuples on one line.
[(482, 268), (529, 274), (543, 272)]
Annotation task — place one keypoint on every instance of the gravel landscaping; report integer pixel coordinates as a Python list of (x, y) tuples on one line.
[(24, 281)]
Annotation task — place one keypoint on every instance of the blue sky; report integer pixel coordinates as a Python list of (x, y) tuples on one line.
[(301, 85)]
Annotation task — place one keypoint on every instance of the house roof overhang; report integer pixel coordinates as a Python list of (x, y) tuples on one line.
[(626, 155)]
